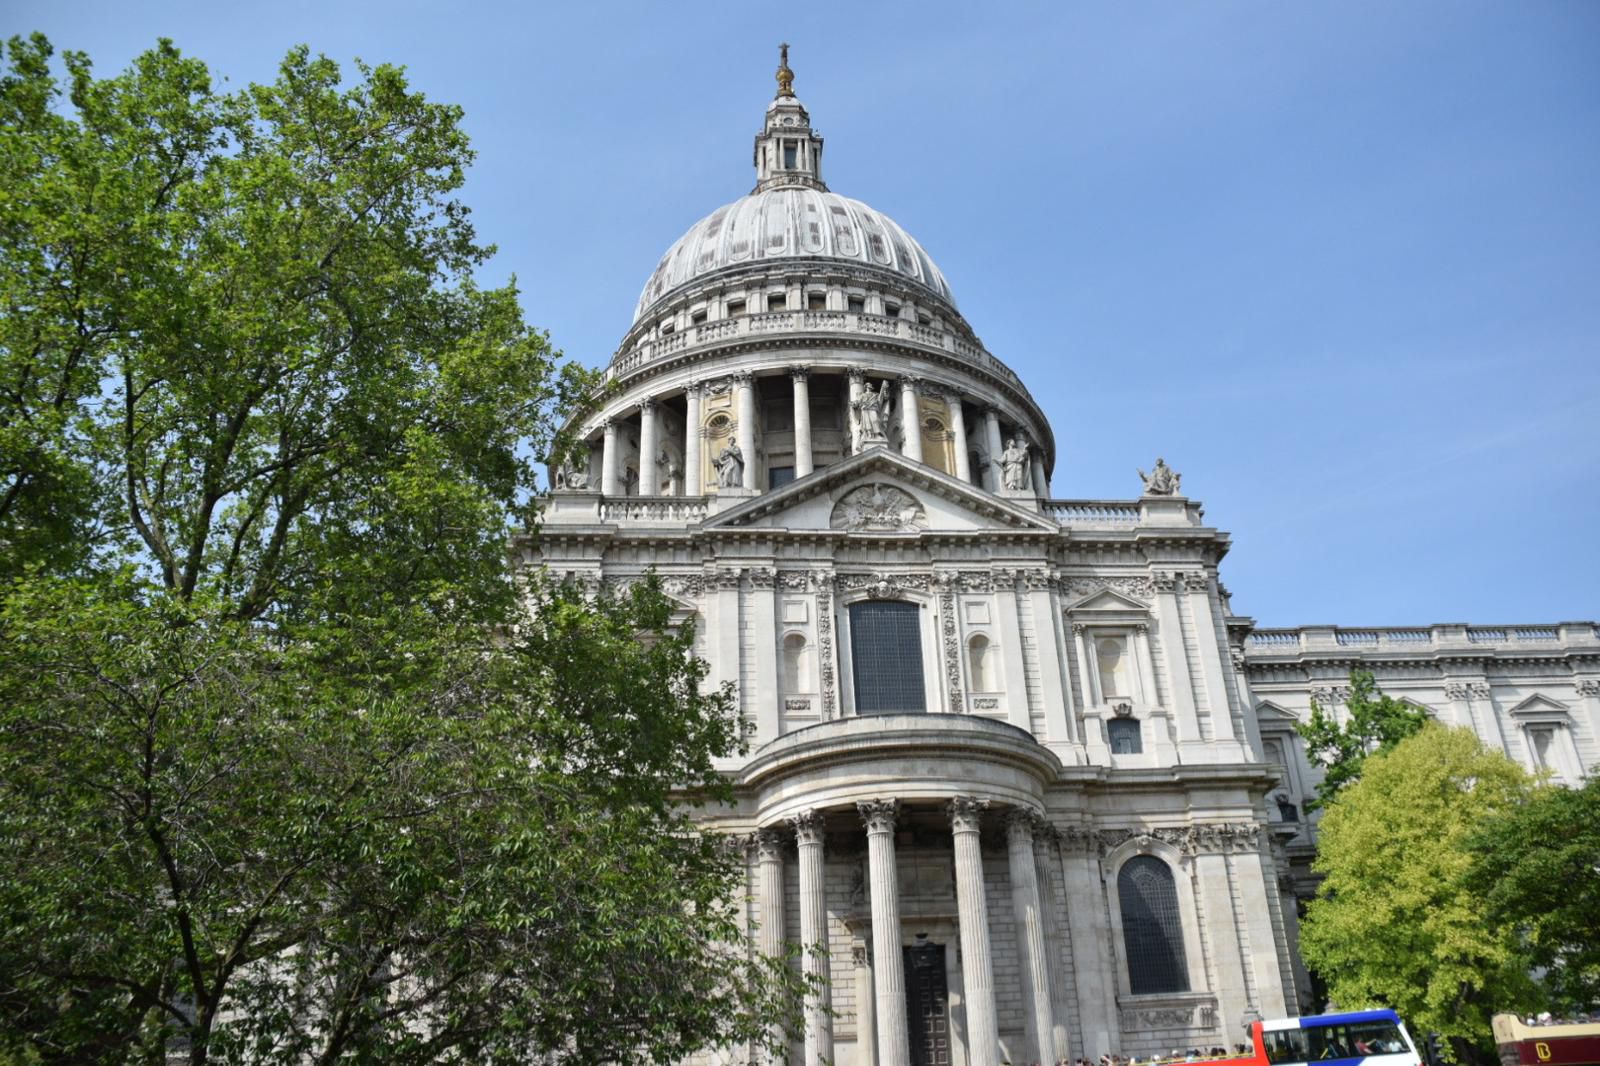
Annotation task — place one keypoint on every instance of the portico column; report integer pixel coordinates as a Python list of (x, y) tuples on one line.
[(958, 426), (609, 460), (814, 939), (972, 909), (856, 379), (769, 855), (747, 427), (991, 430), (649, 475), (1030, 935), (694, 476), (802, 421), (910, 420), (888, 970), (1040, 488)]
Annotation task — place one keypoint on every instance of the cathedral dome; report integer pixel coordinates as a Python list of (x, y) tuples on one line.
[(792, 222)]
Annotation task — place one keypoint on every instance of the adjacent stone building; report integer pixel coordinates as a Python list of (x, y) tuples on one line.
[(1014, 760)]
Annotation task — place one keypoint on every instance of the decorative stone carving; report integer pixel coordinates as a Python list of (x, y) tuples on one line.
[(952, 643), (1588, 687), (871, 413), (879, 508), (797, 703), (729, 464), (1134, 1019), (793, 579), (761, 577), (824, 587), (964, 813), (1327, 695), (1136, 588), (1206, 838), (861, 955), (683, 586), (1161, 481), (986, 703), (769, 845), (1194, 580), (1014, 465), (670, 473), (879, 814), (807, 827), (1163, 581), (884, 586)]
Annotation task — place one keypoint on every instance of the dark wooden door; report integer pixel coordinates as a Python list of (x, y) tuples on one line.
[(927, 1013)]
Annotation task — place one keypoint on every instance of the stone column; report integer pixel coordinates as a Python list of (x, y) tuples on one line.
[(1170, 632), (888, 970), (1222, 926), (769, 886), (856, 380), (649, 446), (1030, 936), (958, 428), (694, 475), (747, 426), (814, 939), (802, 421), (1041, 489), (610, 461), (866, 1014), (910, 420), (977, 969), (991, 430)]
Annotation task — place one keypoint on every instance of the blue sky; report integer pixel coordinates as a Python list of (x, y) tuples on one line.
[(1338, 263)]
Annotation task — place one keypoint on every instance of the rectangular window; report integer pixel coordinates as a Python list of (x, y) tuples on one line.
[(779, 476), (857, 304), (788, 155), (777, 302), (817, 301), (892, 310), (735, 307), (886, 656), (1124, 736), (698, 317)]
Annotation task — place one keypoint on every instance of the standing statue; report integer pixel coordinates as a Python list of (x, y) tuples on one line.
[(572, 477), (730, 466), (1014, 465), (670, 473), (872, 412), (1161, 481)]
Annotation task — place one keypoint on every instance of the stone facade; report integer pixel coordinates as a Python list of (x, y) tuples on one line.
[(1011, 746)]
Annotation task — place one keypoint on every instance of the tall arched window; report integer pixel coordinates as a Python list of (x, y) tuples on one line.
[(886, 657), (980, 656), (1152, 928)]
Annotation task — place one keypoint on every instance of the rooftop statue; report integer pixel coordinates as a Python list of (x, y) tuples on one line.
[(1014, 465), (1161, 481)]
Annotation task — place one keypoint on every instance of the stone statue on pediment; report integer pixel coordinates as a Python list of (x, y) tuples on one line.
[(872, 413), (1014, 464), (1161, 481), (730, 466), (570, 477)]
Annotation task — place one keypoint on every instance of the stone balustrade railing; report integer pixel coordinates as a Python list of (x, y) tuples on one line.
[(654, 510), (808, 322), (1331, 638), (1093, 513)]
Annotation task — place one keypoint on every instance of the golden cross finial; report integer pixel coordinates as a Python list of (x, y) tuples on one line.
[(785, 75)]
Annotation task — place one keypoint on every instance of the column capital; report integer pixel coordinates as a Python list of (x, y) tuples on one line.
[(1020, 825), (879, 814), (799, 373), (910, 381), (648, 404), (692, 388), (855, 374), (769, 845), (807, 827), (744, 379), (608, 425), (964, 813)]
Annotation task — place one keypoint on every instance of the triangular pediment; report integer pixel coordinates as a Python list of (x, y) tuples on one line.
[(1107, 600), (1539, 706), (878, 493), (1267, 711)]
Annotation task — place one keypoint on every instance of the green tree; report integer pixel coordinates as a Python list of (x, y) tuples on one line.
[(1538, 868), (1376, 723), (1396, 921), (292, 763)]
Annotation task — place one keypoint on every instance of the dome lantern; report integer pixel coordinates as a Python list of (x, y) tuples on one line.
[(788, 152)]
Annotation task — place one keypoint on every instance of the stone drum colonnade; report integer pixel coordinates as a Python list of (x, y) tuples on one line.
[(883, 1022)]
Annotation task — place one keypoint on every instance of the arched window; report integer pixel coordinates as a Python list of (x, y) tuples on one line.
[(1152, 929), (886, 657), (980, 657), (796, 664), (1124, 736)]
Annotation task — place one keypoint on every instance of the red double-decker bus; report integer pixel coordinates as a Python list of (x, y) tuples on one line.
[(1554, 1044)]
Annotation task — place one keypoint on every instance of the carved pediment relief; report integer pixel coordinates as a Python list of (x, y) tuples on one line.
[(879, 507)]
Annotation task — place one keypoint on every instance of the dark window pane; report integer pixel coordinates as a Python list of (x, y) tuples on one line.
[(886, 650), (1124, 736), (779, 476), (1152, 930)]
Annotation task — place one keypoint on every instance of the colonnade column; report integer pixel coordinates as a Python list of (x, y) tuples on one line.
[(888, 971), (910, 420), (649, 474), (694, 478), (1030, 935), (991, 430), (747, 427), (1040, 488), (802, 421), (814, 939), (610, 460), (856, 380), (769, 887), (958, 427), (972, 909)]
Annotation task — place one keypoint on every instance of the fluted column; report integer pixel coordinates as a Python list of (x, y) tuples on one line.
[(910, 420), (991, 431), (958, 427), (1030, 935), (856, 380), (769, 887), (802, 421), (747, 427), (610, 461), (888, 971), (694, 475), (814, 939), (1040, 488), (977, 969), (649, 445)]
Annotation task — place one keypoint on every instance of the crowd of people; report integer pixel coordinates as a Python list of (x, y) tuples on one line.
[(1546, 1018), (1176, 1055)]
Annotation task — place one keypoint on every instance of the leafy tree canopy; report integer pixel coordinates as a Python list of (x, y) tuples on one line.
[(1538, 868), (1375, 723), (292, 765), (1397, 921)]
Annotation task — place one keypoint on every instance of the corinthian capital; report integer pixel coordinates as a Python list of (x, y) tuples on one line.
[(807, 827), (879, 814), (964, 813)]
